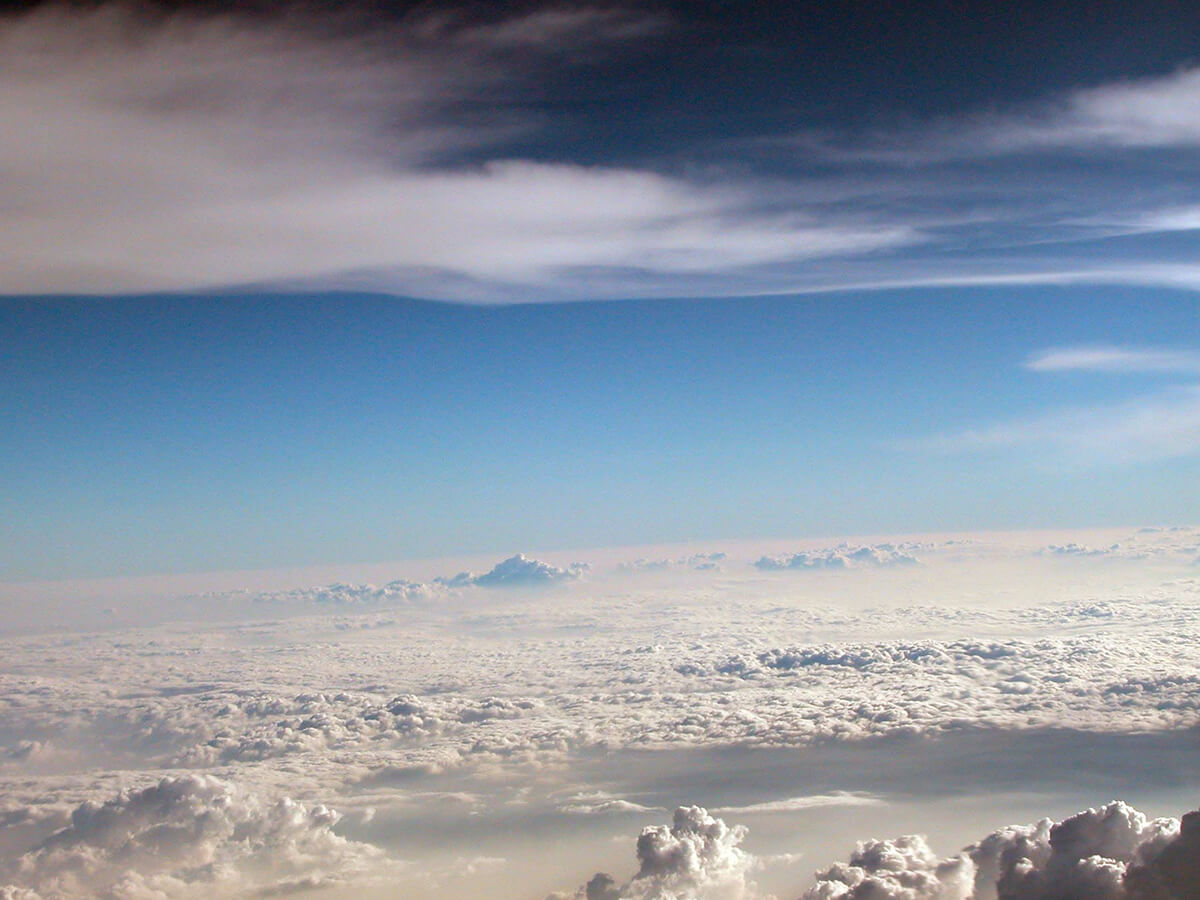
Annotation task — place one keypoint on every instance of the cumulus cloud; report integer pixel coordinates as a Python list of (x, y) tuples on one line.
[(841, 557), (696, 857), (698, 561), (185, 837), (1110, 853), (396, 592), (521, 571), (901, 869)]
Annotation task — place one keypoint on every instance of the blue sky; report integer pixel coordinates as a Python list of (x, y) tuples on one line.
[(193, 433), (282, 287)]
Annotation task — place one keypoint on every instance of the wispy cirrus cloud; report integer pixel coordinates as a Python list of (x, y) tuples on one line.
[(1102, 358), (813, 801), (179, 152), (1161, 111), (1144, 113), (149, 152), (1157, 426)]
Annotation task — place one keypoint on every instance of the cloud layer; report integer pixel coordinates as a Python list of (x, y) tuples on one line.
[(200, 750), (151, 152)]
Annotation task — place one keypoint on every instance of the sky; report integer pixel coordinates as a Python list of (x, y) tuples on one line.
[(284, 285), (588, 450), (184, 434)]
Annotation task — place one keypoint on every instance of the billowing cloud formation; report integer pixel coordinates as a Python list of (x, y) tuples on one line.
[(396, 592), (489, 710), (903, 869), (185, 837), (696, 857), (841, 557), (698, 561), (520, 571), (1111, 853)]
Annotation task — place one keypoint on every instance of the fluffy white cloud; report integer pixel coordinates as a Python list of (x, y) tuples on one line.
[(696, 857), (185, 837), (901, 869), (521, 571), (493, 707), (841, 557), (699, 561), (1111, 853)]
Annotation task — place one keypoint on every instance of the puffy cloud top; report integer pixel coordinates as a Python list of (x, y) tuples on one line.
[(185, 835), (521, 571), (1110, 853), (696, 856), (841, 557)]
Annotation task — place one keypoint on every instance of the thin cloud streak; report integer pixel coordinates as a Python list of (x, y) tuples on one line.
[(1114, 359), (1147, 113), (1158, 426), (795, 804)]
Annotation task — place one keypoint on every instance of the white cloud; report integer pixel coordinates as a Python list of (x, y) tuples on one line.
[(900, 869), (813, 801), (1111, 853), (698, 561), (841, 557), (521, 571), (1143, 113), (696, 857), (593, 803), (1115, 359), (183, 152), (1162, 425), (185, 837), (473, 716), (1161, 111)]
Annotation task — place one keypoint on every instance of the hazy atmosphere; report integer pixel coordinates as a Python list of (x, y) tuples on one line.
[(599, 451)]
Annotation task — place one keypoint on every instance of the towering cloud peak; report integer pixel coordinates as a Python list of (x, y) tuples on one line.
[(1110, 853), (521, 571), (696, 856)]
